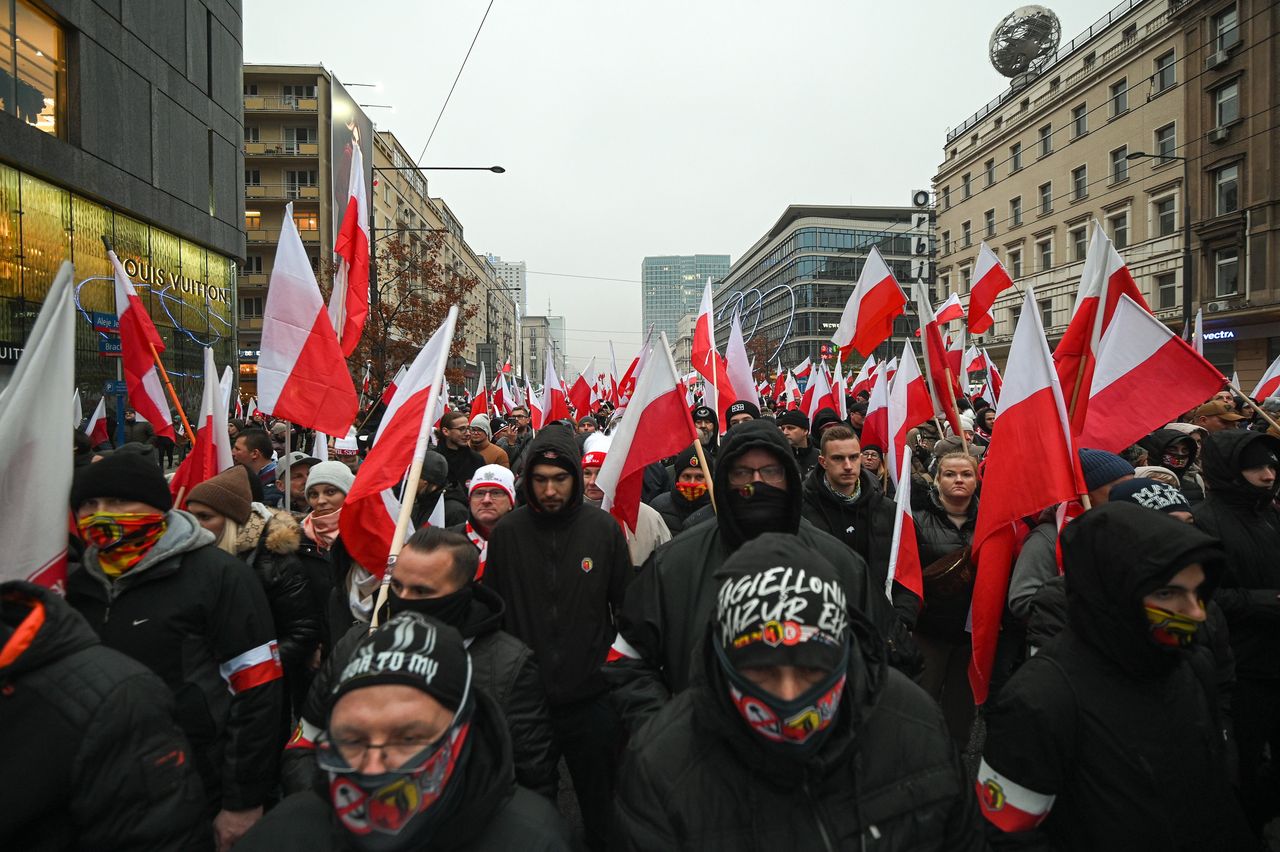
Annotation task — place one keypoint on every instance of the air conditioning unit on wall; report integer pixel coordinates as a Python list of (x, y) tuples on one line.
[(1219, 135), (1215, 307), (1216, 59)]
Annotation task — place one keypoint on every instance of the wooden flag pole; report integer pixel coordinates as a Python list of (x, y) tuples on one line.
[(164, 374), (950, 382), (1265, 416)]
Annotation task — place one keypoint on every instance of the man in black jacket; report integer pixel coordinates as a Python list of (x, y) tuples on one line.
[(561, 567), (417, 757), (1111, 737), (756, 485), (794, 733), (795, 428), (93, 757), (434, 576), (154, 586), (455, 446)]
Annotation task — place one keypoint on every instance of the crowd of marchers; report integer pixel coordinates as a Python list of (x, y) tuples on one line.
[(738, 672)]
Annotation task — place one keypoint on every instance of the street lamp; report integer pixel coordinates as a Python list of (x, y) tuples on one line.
[(1187, 290), (497, 170)]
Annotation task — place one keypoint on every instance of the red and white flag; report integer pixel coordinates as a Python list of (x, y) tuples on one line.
[(1146, 376), (877, 299), (904, 553), (480, 402), (738, 366), (302, 375), (838, 390), (1034, 434), (1199, 333), (717, 393), (989, 280), (349, 304), (875, 425), (866, 377), (1267, 385), (140, 347), (951, 309), (803, 370), (909, 406), (369, 515), (793, 392), (993, 376), (655, 425), (819, 394), (502, 402), (955, 361), (37, 468), (390, 390), (555, 403), (211, 445), (975, 360), (580, 394), (96, 428), (534, 401), (942, 385)]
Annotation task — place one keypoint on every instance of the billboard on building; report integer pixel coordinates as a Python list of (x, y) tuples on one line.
[(347, 124)]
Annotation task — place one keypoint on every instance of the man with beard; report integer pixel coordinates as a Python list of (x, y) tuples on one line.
[(708, 426)]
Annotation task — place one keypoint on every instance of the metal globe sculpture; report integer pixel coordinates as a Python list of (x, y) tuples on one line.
[(1024, 41)]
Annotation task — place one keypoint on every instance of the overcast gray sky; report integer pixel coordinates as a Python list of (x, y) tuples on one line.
[(660, 127)]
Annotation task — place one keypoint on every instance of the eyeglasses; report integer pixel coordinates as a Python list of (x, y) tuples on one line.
[(347, 755), (773, 474)]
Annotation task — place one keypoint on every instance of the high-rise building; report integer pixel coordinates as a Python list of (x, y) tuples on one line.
[(512, 274), (671, 286)]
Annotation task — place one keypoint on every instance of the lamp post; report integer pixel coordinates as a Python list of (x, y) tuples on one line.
[(497, 170), (1187, 288)]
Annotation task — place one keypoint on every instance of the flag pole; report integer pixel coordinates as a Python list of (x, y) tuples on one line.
[(288, 451), (164, 374), (1265, 416), (415, 471), (951, 380)]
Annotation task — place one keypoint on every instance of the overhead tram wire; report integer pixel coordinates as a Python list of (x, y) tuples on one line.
[(431, 135)]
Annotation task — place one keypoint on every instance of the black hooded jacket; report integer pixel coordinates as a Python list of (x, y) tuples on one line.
[(1155, 445), (561, 576), (887, 777), (1244, 519), (670, 601), (1123, 733)]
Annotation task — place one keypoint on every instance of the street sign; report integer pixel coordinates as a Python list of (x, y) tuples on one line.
[(114, 386), (109, 347), (105, 322)]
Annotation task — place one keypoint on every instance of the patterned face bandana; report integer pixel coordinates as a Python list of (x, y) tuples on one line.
[(691, 491), (1171, 629), (122, 538)]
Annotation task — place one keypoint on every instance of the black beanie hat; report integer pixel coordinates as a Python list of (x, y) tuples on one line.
[(702, 412), (125, 476), (780, 602), (689, 458), (824, 417), (743, 407), (793, 417), (412, 650)]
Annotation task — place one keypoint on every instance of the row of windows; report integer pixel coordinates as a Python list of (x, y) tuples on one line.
[(834, 239), (303, 220)]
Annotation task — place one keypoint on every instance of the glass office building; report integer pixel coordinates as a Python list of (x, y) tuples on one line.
[(671, 286)]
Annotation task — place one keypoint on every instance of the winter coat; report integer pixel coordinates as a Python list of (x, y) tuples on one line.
[(333, 565), (93, 756), (268, 544), (515, 448), (561, 576), (1037, 564), (669, 603), (657, 480), (1155, 445), (650, 532), (463, 464), (1115, 742), (139, 432), (806, 457), (492, 814), (199, 619), (1244, 519), (493, 454), (936, 537), (887, 777), (501, 665), (676, 510)]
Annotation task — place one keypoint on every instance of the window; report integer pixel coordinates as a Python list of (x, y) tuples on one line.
[(1226, 103), (1046, 311), (250, 307), (252, 177), (946, 242), (1226, 263), (1226, 190), (1046, 140), (1119, 225), (1044, 251), (966, 189), (1119, 97), (1166, 143), (295, 137), (306, 220), (32, 67), (1166, 72), (989, 222), (1119, 165), (251, 88), (1226, 29), (1046, 198), (966, 278), (1015, 262), (251, 133), (1079, 183), (299, 90), (1024, 105), (1015, 157), (1129, 33), (1015, 314), (1079, 121), (1079, 243), (252, 264), (1164, 213), (252, 220), (944, 284), (1090, 60), (946, 198), (1167, 291), (1015, 212), (989, 168), (965, 237)]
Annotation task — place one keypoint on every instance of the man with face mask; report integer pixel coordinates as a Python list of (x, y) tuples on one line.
[(1111, 736), (435, 576), (1177, 451), (757, 489), (689, 492), (793, 728), (416, 757), (650, 530)]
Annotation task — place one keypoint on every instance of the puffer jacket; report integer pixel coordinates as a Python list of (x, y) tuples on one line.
[(668, 604), (1244, 518), (887, 778), (93, 755), (937, 537), (268, 544)]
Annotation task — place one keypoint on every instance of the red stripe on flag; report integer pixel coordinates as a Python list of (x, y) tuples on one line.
[(308, 395)]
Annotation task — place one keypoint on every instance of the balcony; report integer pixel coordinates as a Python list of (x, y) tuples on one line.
[(282, 192), (252, 279), (271, 236), (281, 148), (260, 103)]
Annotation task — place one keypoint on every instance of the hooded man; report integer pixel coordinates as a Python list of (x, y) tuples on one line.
[(690, 491), (1240, 468), (795, 428), (793, 729), (561, 567), (1177, 451), (1111, 737), (417, 756), (650, 529), (757, 489)]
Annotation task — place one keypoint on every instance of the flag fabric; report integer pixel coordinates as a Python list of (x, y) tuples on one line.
[(1199, 335), (211, 445), (502, 403), (819, 395), (320, 446), (580, 394), (951, 309), (867, 320), (1146, 376), (779, 383), (803, 370), (955, 362), (226, 386), (369, 515), (875, 425), (904, 553), (349, 304), (866, 377), (555, 403), (96, 428), (37, 468), (613, 377), (1034, 434), (140, 347), (535, 406), (942, 385), (480, 402), (989, 280), (718, 392), (302, 375), (655, 425), (975, 360), (993, 375), (838, 390), (390, 390), (1235, 379), (77, 408), (738, 366), (909, 405), (1268, 384)]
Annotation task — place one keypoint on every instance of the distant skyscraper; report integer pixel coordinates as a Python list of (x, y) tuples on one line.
[(672, 287), (512, 273)]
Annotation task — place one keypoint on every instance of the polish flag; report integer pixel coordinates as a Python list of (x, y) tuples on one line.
[(96, 428), (1146, 376), (211, 445), (1034, 434), (555, 402), (803, 370), (226, 386), (875, 426), (793, 392), (779, 383), (1268, 384), (941, 383), (1199, 335), (480, 402), (390, 390), (656, 425), (349, 304), (320, 446), (77, 408), (718, 393), (737, 365), (534, 401), (909, 405), (140, 348), (502, 396), (904, 553), (369, 515), (868, 316), (892, 368), (37, 468), (989, 280), (819, 395), (1104, 279), (838, 390), (580, 394), (956, 363), (975, 360), (627, 383), (951, 309), (866, 377), (993, 375), (302, 375)]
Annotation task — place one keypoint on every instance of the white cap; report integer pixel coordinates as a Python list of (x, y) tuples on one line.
[(494, 476)]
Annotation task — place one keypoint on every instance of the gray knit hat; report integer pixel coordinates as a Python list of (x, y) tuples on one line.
[(333, 473)]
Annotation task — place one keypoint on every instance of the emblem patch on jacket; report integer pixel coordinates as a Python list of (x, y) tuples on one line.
[(587, 565)]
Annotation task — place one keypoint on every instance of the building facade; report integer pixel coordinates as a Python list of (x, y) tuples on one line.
[(535, 340), (513, 274), (122, 124), (672, 285)]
